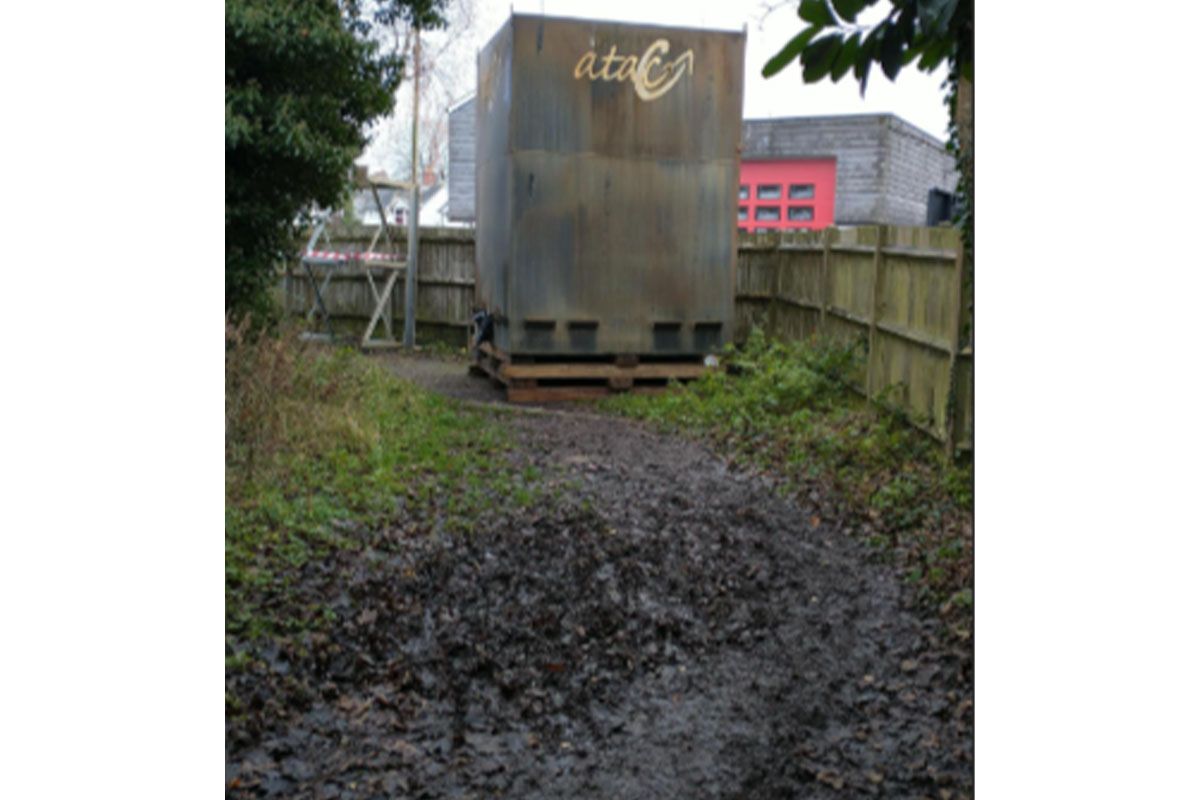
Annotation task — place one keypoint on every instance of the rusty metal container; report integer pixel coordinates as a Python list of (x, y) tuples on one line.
[(607, 164)]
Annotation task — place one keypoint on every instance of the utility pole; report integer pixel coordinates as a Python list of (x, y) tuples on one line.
[(414, 207)]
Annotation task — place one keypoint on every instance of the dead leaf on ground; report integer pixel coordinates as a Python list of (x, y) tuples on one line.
[(830, 777)]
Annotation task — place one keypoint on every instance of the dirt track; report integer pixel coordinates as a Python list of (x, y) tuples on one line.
[(670, 629)]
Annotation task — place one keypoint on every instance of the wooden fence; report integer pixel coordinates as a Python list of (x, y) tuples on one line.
[(445, 284), (897, 291)]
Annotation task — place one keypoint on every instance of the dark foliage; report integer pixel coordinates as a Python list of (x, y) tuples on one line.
[(932, 31)]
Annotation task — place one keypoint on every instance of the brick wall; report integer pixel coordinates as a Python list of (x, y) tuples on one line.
[(915, 162)]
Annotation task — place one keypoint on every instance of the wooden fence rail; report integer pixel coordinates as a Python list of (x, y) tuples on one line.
[(898, 291)]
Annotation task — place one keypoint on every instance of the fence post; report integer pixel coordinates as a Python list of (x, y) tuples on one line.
[(956, 299), (777, 255), (823, 294), (872, 382)]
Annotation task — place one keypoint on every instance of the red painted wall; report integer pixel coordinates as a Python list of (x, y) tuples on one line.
[(792, 177)]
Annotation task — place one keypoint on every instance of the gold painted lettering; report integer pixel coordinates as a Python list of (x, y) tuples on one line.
[(642, 80), (653, 88), (608, 59), (691, 67), (584, 67), (628, 69), (638, 70)]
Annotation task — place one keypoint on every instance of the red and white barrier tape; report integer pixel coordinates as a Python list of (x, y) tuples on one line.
[(330, 255)]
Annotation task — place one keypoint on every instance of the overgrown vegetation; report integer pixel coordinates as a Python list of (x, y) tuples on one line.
[(326, 455), (788, 408)]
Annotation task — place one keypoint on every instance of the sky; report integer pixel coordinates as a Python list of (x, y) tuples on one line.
[(915, 96)]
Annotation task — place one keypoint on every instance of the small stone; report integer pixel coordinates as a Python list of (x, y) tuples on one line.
[(908, 665), (874, 777)]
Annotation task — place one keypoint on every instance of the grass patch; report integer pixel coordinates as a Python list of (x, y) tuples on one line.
[(787, 408), (327, 452), (444, 350)]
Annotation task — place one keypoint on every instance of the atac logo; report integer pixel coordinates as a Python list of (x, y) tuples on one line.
[(651, 74)]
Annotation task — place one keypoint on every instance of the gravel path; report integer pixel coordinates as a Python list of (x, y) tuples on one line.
[(670, 628), (445, 375)]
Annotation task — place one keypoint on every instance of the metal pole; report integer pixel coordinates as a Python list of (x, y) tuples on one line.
[(414, 208)]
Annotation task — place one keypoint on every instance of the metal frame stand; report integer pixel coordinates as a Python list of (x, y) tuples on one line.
[(368, 261)]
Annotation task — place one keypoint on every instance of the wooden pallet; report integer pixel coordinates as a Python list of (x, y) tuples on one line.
[(556, 381)]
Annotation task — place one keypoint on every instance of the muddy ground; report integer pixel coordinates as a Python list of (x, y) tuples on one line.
[(670, 628)]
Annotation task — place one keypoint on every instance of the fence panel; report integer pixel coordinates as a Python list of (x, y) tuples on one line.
[(756, 267), (800, 290)]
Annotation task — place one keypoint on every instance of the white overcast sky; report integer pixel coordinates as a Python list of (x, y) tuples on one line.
[(915, 96)]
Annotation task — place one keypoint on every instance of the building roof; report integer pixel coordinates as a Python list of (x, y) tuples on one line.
[(899, 121)]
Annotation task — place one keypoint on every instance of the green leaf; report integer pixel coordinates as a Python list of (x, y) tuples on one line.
[(933, 55), (915, 48), (845, 59), (892, 52), (789, 51), (862, 63), (935, 15), (927, 12), (868, 51), (818, 57), (848, 9), (907, 24), (816, 12)]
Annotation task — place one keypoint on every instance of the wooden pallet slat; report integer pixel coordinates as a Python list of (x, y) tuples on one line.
[(561, 381)]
